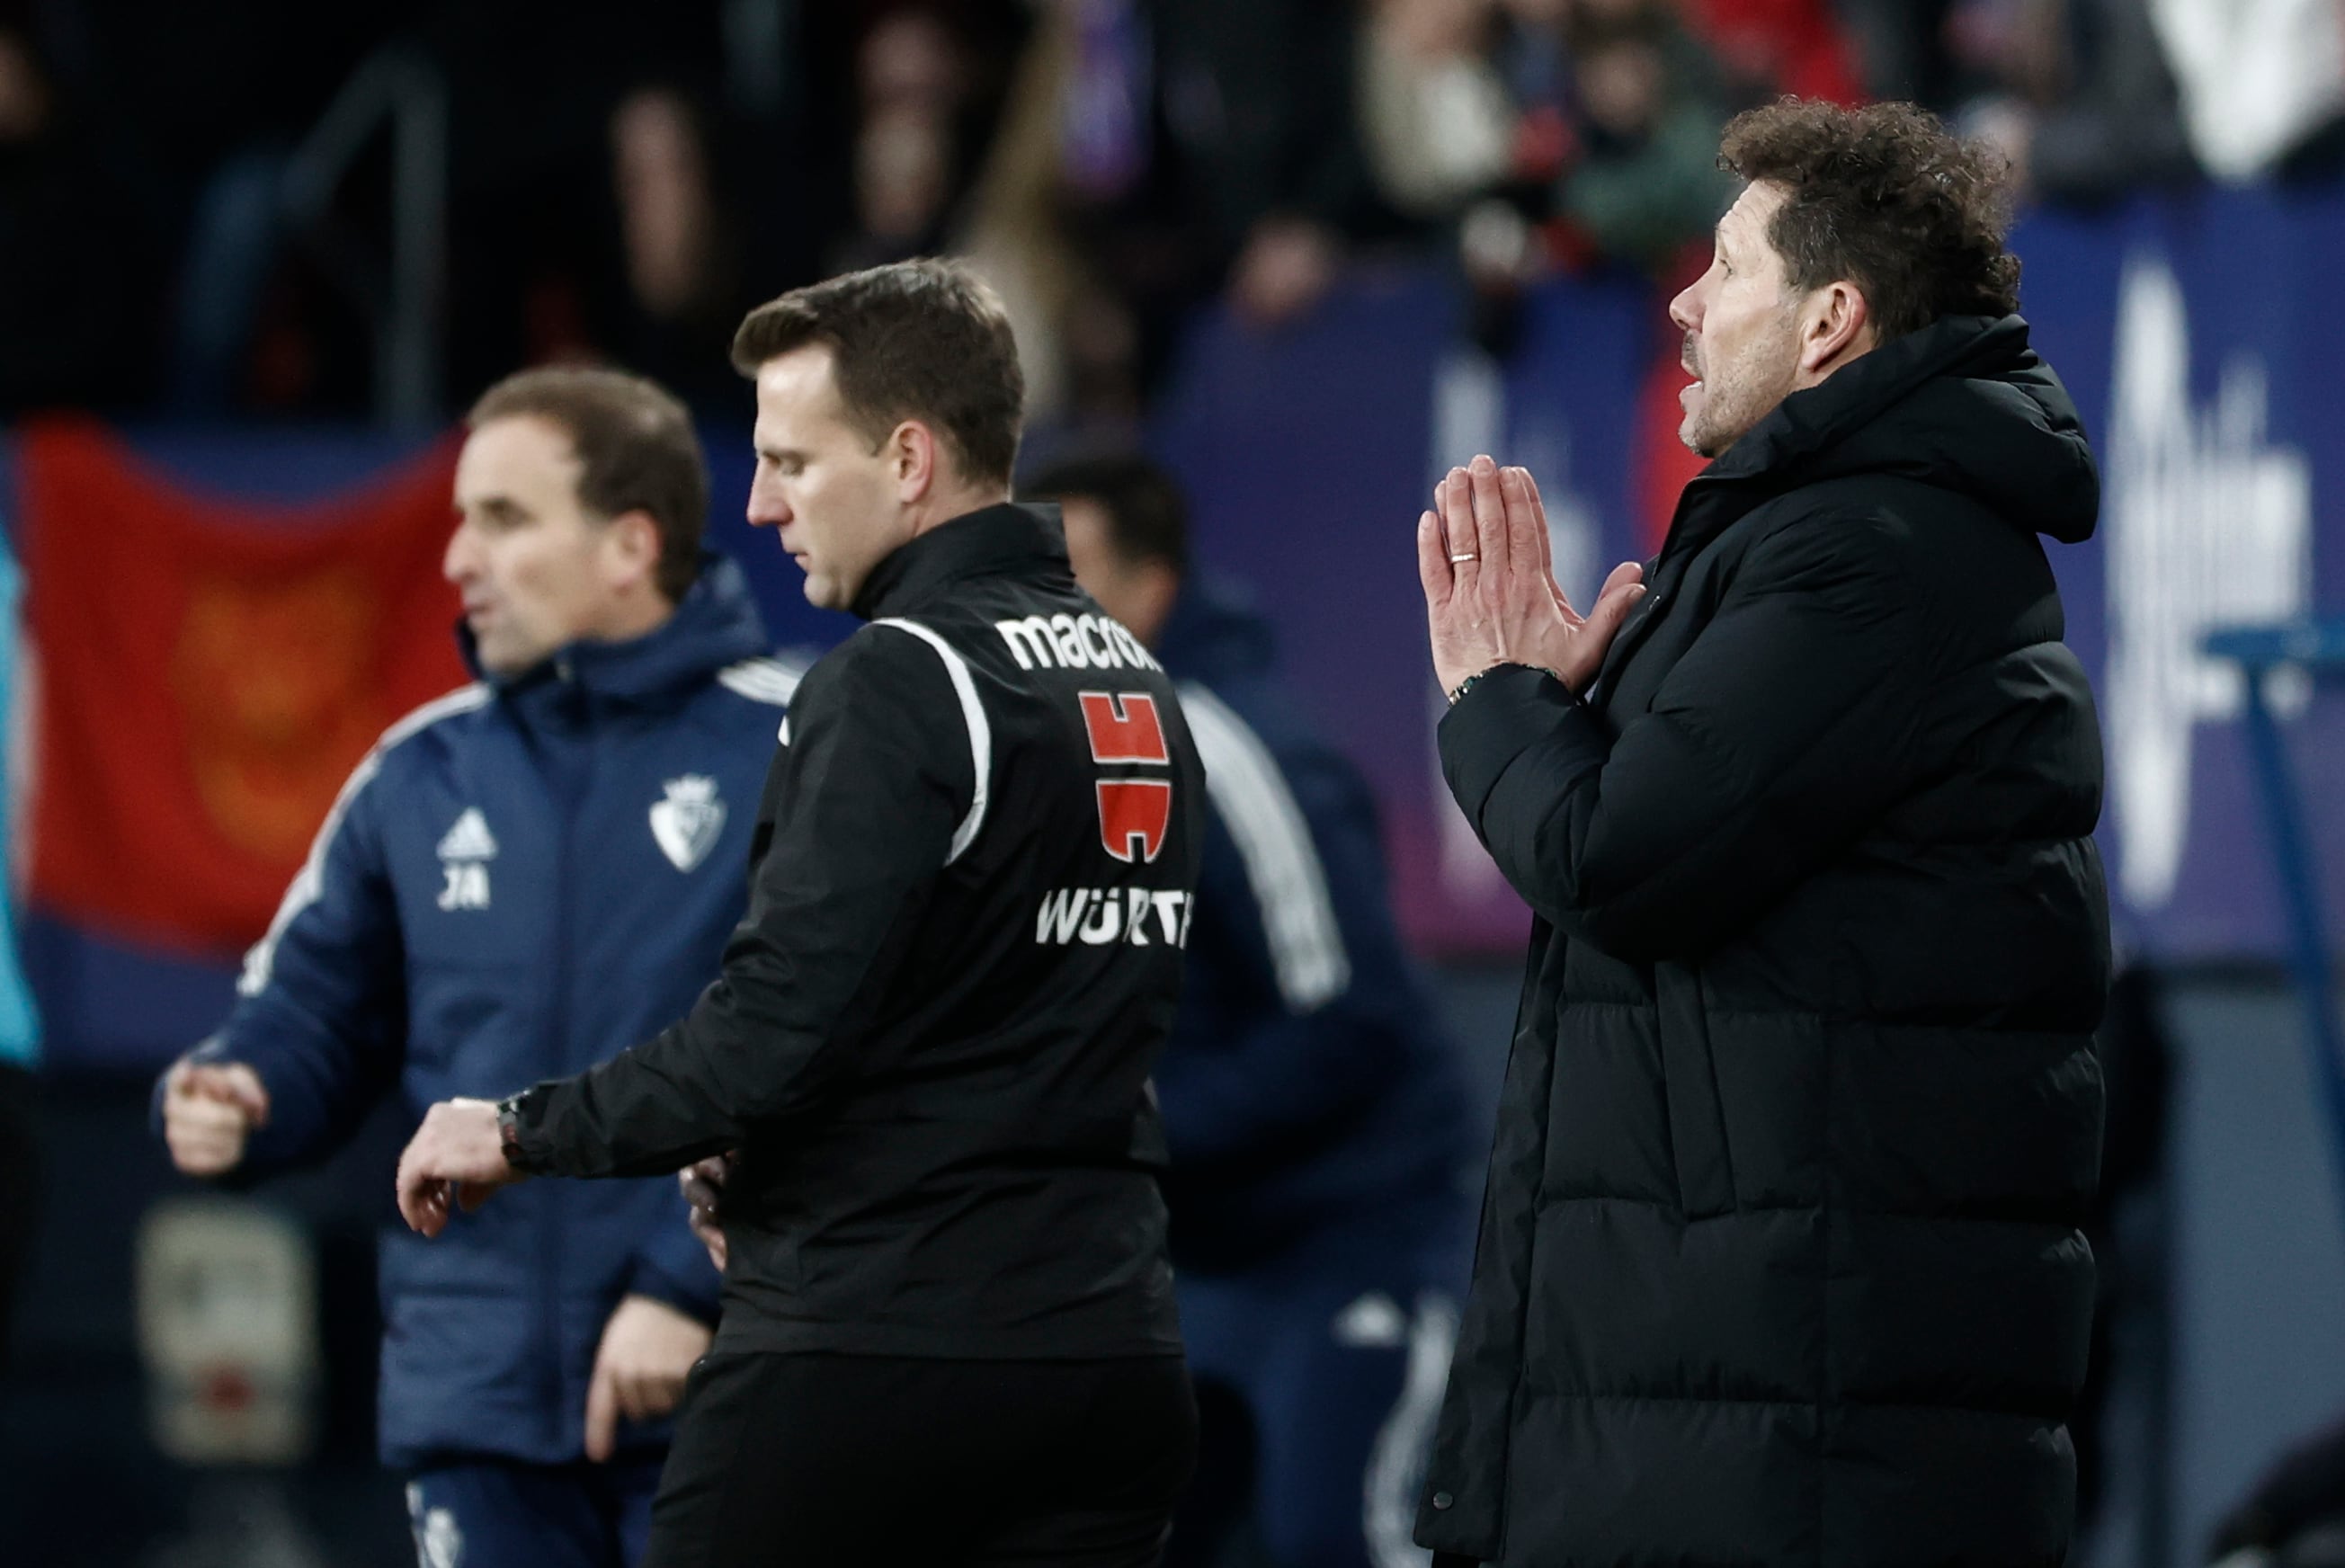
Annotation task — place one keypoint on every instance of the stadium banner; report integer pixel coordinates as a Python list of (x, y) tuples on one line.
[(208, 672)]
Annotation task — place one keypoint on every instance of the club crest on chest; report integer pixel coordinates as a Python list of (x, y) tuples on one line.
[(687, 823)]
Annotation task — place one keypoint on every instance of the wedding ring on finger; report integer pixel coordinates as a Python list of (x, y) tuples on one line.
[(1469, 556)]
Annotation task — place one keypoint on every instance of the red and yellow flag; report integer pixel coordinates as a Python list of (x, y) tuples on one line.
[(206, 673)]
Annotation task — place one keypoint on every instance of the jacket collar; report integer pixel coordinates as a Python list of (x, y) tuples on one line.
[(1964, 391), (1010, 536), (1998, 400), (716, 624)]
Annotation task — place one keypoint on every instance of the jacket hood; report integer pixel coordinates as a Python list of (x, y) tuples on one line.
[(1964, 404), (716, 624), (1215, 635)]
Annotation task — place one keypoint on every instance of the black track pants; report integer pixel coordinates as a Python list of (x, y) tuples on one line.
[(814, 1460)]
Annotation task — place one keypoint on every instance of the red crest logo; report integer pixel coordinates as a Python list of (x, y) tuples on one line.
[(1134, 813), (1124, 727)]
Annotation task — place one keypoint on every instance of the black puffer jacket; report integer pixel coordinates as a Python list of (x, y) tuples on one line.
[(1779, 1260)]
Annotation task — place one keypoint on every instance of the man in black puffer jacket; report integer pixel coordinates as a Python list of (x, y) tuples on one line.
[(1779, 1256)]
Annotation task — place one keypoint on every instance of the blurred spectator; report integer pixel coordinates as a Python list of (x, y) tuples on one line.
[(1155, 154), (1262, 143), (1618, 136), (1900, 49), (687, 255), (78, 284), (861, 147), (1433, 111), (930, 80), (626, 184), (2258, 83), (1314, 1113), (1770, 47), (1646, 181), (2082, 96), (667, 209), (2079, 98), (554, 110)]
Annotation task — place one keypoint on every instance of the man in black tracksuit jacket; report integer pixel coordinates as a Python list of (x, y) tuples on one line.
[(1781, 1259), (948, 1332)]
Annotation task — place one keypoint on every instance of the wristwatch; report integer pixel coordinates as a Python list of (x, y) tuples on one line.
[(1467, 685), (509, 1125)]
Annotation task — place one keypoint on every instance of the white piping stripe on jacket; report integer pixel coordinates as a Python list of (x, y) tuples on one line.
[(763, 680), (1298, 917), (1396, 1463), (980, 733), (310, 880)]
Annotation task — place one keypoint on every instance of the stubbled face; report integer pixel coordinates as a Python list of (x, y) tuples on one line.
[(834, 501), (1742, 328), (536, 571)]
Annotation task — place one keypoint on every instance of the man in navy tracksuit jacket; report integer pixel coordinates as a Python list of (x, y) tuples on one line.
[(1314, 1113), (521, 880)]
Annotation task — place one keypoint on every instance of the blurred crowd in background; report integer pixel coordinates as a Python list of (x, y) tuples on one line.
[(621, 182)]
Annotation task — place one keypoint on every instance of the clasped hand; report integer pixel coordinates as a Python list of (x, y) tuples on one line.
[(1490, 593)]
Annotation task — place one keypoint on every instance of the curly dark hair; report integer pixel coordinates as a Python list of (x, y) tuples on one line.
[(1887, 197)]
